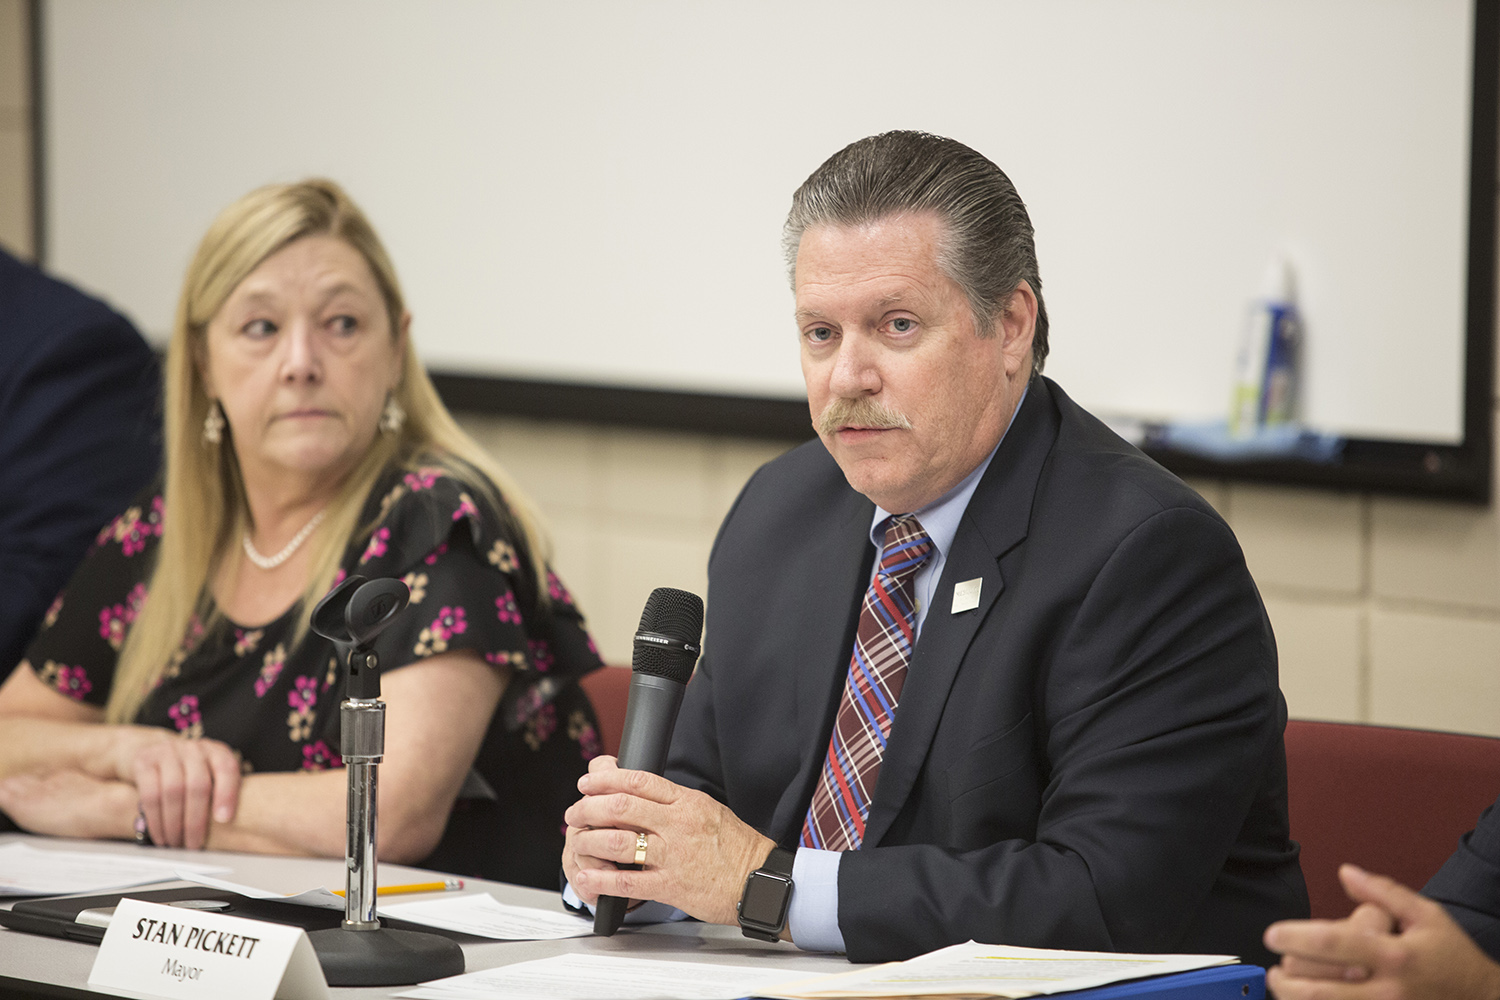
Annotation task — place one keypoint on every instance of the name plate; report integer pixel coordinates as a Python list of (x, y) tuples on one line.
[(152, 950)]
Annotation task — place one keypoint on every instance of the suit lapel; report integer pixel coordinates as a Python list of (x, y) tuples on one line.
[(995, 522), (834, 575)]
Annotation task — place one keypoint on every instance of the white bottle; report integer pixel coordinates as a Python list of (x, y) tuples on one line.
[(1265, 379)]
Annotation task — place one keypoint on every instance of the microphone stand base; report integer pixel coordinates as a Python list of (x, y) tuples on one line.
[(384, 957)]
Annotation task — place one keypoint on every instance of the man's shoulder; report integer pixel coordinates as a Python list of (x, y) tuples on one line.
[(1093, 464), (804, 476), (794, 495)]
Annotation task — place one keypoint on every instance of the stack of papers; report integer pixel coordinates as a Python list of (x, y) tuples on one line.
[(482, 915), (989, 970), (965, 970), (26, 871), (584, 976)]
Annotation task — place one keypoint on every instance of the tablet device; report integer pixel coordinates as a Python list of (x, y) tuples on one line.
[(85, 918)]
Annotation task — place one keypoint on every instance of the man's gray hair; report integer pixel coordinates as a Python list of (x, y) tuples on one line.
[(987, 246)]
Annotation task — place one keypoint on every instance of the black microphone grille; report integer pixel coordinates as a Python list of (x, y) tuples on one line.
[(676, 616), (674, 613)]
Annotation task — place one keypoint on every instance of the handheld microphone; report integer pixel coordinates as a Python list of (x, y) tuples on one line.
[(665, 650)]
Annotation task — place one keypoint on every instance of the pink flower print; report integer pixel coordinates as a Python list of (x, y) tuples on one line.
[(541, 725), (541, 655), (422, 479), (302, 699), (583, 732), (304, 696), (73, 682), (112, 625), (318, 757), (434, 638), (52, 612), (510, 659), (185, 715), (113, 620), (508, 612), (466, 507), (556, 590), (245, 641), (377, 544), (270, 667), (432, 557), (131, 531), (503, 556)]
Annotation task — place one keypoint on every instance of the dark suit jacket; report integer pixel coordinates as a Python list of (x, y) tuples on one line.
[(1468, 884), (78, 438), (1091, 759)]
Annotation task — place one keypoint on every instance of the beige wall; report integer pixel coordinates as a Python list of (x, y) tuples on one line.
[(1385, 610), (15, 129)]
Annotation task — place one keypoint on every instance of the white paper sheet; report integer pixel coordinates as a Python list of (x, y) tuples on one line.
[(322, 898), (997, 971), (605, 977), (482, 915), (30, 871)]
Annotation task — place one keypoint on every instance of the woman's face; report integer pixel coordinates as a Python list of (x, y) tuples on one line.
[(301, 356)]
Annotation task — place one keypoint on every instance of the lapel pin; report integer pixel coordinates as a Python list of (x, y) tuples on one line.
[(966, 595)]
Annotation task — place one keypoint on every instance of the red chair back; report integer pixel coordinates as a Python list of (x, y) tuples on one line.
[(1393, 801), (609, 690)]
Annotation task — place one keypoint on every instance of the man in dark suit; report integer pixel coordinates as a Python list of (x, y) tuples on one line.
[(1053, 717), (78, 437), (1397, 945)]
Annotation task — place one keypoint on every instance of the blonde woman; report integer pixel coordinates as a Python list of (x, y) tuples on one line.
[(176, 694)]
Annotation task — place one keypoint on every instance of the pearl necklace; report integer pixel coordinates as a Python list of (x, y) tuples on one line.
[(271, 562)]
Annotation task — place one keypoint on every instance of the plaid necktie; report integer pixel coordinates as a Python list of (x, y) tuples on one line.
[(877, 671)]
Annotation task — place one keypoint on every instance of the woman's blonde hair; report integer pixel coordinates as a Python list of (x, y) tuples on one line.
[(205, 507)]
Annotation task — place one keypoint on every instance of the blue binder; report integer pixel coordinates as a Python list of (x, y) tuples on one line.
[(1222, 982)]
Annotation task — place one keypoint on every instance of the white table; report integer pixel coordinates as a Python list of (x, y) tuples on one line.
[(33, 965)]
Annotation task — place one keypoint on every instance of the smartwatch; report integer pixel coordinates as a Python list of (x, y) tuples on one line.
[(768, 895)]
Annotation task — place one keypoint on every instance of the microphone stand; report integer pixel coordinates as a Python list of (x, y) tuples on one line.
[(361, 952)]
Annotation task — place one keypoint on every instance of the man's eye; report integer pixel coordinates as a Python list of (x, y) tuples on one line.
[(258, 328), (903, 325), (820, 335)]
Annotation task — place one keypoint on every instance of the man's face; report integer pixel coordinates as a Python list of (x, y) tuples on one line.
[(906, 395)]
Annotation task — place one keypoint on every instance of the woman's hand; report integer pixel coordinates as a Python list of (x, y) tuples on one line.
[(69, 803), (184, 784)]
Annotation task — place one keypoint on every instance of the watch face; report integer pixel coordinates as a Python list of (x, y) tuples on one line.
[(765, 897)]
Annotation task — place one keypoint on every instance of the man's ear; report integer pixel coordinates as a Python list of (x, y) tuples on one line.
[(1016, 326)]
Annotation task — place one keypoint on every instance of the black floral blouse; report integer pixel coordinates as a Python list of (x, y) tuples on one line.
[(278, 703)]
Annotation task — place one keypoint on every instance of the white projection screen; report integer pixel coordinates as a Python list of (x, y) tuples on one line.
[(590, 192)]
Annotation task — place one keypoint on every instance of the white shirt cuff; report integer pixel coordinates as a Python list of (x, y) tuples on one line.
[(814, 913)]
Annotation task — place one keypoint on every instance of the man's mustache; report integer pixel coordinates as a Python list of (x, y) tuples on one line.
[(860, 411)]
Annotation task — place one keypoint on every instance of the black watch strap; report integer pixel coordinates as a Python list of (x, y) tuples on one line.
[(767, 896)]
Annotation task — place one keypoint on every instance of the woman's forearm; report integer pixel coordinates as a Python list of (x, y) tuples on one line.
[(286, 813), (302, 813), (36, 746)]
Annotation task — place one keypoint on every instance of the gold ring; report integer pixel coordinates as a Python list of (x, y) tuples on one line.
[(640, 848)]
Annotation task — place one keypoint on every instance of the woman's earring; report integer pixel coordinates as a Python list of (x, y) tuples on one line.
[(393, 417), (213, 424)]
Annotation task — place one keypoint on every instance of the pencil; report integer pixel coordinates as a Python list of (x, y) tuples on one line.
[(447, 885)]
